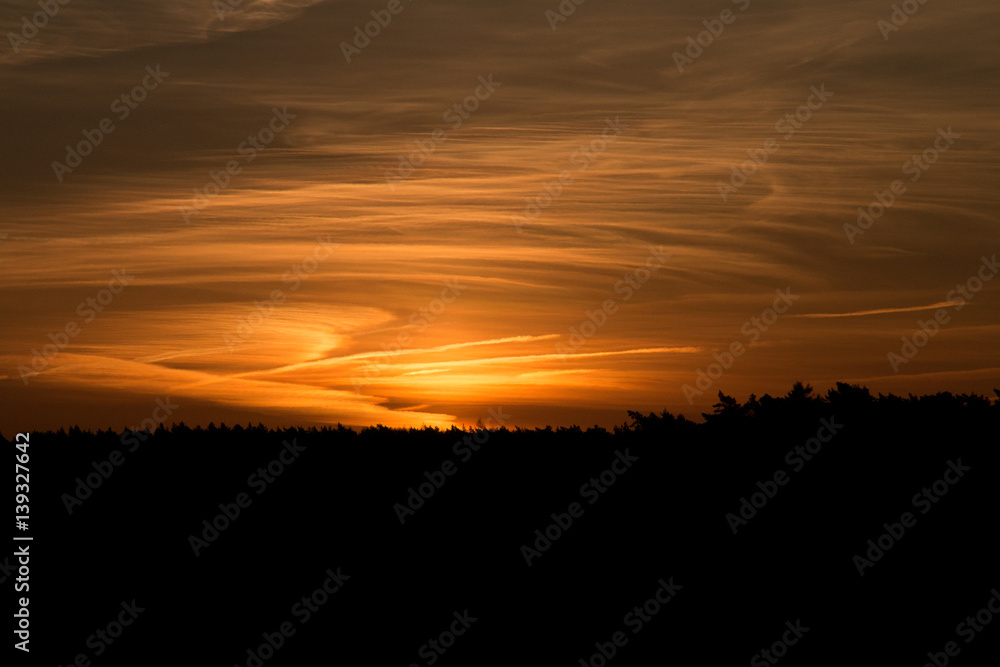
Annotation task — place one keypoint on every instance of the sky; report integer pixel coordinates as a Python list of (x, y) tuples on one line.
[(554, 213)]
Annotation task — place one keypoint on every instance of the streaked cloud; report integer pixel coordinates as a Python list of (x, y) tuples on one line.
[(880, 311), (324, 176)]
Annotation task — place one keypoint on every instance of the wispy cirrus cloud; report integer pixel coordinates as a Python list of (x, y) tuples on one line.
[(102, 28), (325, 175), (878, 311)]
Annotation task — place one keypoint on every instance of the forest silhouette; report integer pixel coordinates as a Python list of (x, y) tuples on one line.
[(768, 512), (764, 416)]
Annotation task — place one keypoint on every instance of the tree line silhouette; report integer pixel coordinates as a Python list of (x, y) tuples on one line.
[(801, 404), (759, 512)]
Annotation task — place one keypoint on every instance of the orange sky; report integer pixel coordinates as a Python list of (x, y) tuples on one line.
[(327, 283)]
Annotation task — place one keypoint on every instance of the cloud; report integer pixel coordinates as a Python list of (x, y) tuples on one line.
[(655, 185), (99, 28), (880, 311)]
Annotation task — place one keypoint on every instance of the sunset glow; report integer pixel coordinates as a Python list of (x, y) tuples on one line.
[(568, 245)]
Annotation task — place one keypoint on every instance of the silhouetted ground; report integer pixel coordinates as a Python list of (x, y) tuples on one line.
[(665, 515)]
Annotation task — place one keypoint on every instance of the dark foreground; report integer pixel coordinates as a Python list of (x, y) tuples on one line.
[(841, 530)]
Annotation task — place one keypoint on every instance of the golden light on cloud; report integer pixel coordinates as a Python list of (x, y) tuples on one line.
[(413, 237)]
